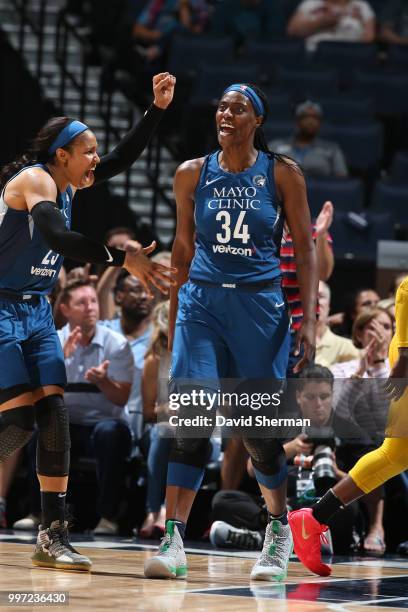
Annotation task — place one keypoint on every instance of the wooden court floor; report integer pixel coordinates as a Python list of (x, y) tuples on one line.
[(216, 581)]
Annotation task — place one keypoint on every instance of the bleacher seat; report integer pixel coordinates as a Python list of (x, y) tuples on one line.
[(388, 90), (345, 56), (280, 105), (270, 55), (393, 198), (346, 194), (399, 167), (362, 145), (307, 83), (210, 82), (398, 55), (350, 242), (278, 129), (349, 110), (188, 53)]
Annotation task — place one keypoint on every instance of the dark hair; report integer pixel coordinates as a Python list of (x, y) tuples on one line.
[(71, 286), (314, 373), (120, 282), (260, 141), (119, 230), (38, 148)]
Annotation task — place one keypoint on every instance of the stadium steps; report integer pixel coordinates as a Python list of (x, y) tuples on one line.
[(140, 192)]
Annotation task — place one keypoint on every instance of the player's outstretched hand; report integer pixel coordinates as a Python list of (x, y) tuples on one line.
[(147, 271), (306, 339), (163, 89)]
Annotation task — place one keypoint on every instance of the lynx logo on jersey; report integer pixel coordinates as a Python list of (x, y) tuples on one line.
[(259, 180)]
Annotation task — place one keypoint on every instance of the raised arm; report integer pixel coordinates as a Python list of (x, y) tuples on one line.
[(292, 189), (182, 253), (136, 140)]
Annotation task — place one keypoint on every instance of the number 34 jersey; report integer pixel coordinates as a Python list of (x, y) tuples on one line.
[(27, 265), (239, 223)]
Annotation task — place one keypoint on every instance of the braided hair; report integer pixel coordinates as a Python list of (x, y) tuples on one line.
[(38, 149), (260, 142)]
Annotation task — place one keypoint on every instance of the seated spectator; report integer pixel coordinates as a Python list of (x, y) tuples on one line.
[(367, 404), (372, 332), (337, 20), (134, 323), (99, 366), (316, 156), (354, 304), (162, 18), (155, 394), (330, 348), (394, 22)]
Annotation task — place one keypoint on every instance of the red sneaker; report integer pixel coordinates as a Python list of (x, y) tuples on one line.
[(306, 531)]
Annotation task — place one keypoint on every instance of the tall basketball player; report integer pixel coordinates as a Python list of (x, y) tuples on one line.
[(373, 469), (35, 214), (232, 318)]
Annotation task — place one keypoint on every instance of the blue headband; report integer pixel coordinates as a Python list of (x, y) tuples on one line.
[(249, 93), (69, 132)]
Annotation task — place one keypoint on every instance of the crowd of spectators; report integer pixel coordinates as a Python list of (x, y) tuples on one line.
[(115, 347)]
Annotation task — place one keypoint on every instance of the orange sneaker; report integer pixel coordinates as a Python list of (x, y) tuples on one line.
[(307, 531)]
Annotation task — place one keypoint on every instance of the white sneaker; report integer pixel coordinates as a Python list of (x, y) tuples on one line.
[(170, 561), (277, 548), (28, 523), (106, 527)]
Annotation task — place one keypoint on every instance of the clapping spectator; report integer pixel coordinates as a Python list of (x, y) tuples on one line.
[(316, 156), (366, 404), (341, 20)]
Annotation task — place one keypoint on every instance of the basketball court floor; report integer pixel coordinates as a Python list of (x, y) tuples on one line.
[(217, 580)]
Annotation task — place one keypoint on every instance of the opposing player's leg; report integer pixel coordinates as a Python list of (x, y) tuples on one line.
[(372, 470)]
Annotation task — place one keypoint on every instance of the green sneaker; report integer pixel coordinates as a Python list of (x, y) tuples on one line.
[(54, 550), (170, 561), (277, 548)]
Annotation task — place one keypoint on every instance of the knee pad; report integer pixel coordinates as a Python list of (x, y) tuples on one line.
[(16, 428), (190, 451), (268, 459), (54, 443)]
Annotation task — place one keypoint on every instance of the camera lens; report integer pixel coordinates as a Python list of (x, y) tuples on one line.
[(323, 469)]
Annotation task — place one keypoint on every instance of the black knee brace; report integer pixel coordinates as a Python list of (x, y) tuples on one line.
[(191, 451), (16, 428), (267, 454), (54, 441)]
